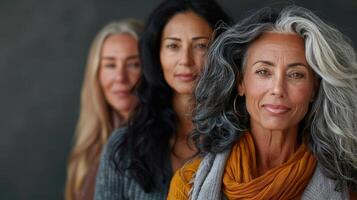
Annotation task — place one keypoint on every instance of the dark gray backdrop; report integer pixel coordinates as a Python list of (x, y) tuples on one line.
[(43, 48)]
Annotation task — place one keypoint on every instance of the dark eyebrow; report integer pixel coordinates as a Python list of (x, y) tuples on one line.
[(200, 37), (171, 38), (297, 64), (289, 65), (264, 62), (194, 38)]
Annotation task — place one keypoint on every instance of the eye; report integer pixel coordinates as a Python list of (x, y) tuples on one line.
[(133, 65), (296, 75), (202, 46), (172, 46), (109, 65), (262, 72)]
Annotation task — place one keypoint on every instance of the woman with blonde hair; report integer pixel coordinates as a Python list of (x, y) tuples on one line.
[(107, 99)]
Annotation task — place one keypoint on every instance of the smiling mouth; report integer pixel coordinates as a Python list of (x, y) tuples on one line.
[(122, 93), (185, 77), (276, 109)]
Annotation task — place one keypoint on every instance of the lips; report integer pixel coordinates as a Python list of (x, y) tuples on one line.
[(185, 77), (122, 93), (276, 109)]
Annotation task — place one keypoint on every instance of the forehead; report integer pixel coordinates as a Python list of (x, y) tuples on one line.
[(276, 47), (187, 22), (119, 38), (277, 42), (119, 43)]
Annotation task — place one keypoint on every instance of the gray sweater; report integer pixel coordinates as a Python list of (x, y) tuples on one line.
[(113, 186)]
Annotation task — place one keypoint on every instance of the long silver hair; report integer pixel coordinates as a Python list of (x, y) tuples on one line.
[(220, 116)]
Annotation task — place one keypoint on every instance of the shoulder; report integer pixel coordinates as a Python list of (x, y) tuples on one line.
[(187, 172), (113, 140), (322, 187), (110, 185), (110, 146), (116, 136), (181, 182)]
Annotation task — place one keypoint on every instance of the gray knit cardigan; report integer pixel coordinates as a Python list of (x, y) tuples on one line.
[(113, 186), (208, 182)]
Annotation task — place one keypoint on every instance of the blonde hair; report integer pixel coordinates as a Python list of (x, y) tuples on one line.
[(95, 119)]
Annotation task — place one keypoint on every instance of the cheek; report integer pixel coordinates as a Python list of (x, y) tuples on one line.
[(254, 92), (167, 67), (199, 60), (301, 94), (104, 78), (252, 103), (134, 76), (166, 60), (302, 98)]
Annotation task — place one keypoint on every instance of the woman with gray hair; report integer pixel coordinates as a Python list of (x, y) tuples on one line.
[(276, 112)]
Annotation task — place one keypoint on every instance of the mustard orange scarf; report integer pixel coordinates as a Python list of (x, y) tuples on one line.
[(286, 181)]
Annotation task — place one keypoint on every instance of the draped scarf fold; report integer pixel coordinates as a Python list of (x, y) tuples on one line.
[(286, 181), (239, 172)]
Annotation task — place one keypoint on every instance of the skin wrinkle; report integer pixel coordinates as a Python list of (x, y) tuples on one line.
[(277, 74), (329, 123)]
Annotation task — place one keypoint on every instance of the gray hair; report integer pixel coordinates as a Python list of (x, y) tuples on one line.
[(331, 122)]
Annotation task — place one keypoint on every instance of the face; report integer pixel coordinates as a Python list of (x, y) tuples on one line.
[(119, 71), (278, 83), (184, 43)]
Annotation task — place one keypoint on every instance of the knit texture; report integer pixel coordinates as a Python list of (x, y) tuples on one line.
[(110, 185), (319, 187)]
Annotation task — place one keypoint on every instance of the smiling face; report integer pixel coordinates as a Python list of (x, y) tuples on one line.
[(184, 43), (119, 71), (278, 83)]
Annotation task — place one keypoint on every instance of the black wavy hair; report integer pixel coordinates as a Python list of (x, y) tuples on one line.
[(143, 149)]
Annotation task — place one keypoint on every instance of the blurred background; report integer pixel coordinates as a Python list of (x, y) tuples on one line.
[(43, 50)]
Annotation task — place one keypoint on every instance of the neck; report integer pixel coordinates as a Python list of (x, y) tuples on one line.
[(274, 147), (119, 118), (183, 106), (182, 145)]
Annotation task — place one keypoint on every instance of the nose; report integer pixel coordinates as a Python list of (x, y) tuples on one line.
[(278, 86), (186, 57), (120, 73)]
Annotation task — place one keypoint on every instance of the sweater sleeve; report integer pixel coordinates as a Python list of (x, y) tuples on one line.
[(109, 184)]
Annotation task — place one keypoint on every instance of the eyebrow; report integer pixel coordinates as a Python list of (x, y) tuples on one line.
[(113, 58), (289, 65), (194, 38)]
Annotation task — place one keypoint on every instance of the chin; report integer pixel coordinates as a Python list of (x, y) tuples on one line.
[(275, 126), (280, 124), (123, 107), (184, 90)]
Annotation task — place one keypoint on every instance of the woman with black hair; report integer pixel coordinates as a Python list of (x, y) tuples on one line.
[(138, 161)]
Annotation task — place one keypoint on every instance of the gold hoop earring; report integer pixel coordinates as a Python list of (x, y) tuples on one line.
[(235, 107)]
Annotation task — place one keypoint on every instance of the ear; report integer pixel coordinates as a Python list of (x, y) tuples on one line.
[(241, 88), (315, 89)]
